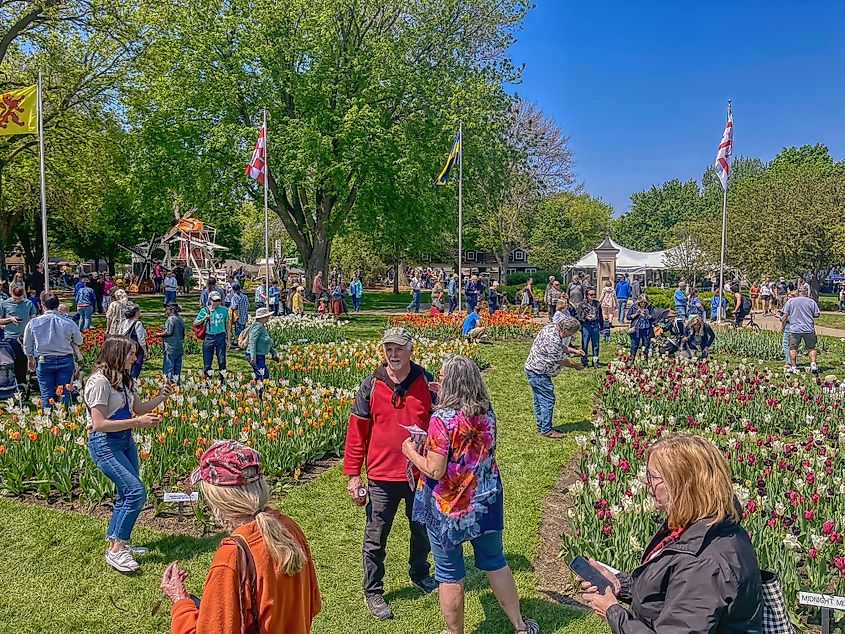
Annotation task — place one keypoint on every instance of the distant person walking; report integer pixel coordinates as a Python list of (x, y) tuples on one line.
[(623, 294), (356, 289), (173, 340), (217, 329), (452, 292), (414, 304), (134, 329), (170, 286), (85, 300), (116, 313), (49, 339), (799, 321)]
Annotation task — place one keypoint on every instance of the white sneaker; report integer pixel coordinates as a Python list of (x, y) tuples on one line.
[(137, 551), (122, 561)]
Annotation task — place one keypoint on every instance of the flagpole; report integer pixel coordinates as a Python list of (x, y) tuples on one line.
[(266, 222), (724, 237), (43, 186), (460, 211)]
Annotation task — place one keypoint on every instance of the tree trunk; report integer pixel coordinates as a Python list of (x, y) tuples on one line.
[(318, 258), (396, 277), (110, 263)]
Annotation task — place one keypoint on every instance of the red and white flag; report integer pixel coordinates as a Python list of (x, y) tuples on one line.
[(725, 148), (257, 167)]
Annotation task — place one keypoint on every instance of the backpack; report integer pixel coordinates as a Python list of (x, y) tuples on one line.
[(243, 338)]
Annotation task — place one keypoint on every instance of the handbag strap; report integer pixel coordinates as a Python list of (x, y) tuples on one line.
[(246, 569)]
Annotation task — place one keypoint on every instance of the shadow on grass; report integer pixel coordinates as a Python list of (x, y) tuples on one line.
[(581, 425), (172, 547), (549, 615)]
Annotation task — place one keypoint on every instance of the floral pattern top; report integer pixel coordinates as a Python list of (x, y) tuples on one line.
[(467, 501)]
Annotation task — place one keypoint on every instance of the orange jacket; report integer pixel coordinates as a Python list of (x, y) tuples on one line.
[(287, 604)]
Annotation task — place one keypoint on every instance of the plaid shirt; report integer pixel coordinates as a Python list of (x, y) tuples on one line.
[(240, 303)]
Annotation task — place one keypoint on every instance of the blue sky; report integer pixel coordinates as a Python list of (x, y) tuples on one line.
[(641, 87)]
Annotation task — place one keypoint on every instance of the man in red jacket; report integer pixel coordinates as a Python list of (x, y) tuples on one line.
[(397, 395)]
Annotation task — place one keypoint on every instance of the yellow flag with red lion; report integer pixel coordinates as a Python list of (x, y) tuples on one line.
[(19, 111)]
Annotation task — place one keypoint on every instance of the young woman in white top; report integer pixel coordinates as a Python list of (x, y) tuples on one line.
[(114, 410), (766, 296)]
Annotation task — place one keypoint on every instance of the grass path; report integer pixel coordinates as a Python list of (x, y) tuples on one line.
[(55, 580)]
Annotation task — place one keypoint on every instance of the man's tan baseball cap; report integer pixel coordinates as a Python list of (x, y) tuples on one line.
[(399, 335)]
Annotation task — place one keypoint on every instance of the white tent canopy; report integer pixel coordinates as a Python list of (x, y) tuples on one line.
[(627, 260)]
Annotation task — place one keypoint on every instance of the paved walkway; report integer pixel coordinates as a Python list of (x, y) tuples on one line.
[(773, 323)]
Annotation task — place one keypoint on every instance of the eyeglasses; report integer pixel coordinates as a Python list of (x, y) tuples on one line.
[(652, 480)]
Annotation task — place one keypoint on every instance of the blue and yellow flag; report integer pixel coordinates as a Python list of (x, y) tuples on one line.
[(19, 111), (454, 156)]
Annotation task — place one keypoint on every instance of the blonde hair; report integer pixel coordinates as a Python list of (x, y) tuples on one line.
[(233, 506), (697, 477), (119, 295)]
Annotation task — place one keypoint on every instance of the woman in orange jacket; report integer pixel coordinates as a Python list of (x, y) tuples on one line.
[(262, 578)]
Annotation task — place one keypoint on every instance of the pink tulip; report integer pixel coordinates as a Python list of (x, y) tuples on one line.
[(827, 527)]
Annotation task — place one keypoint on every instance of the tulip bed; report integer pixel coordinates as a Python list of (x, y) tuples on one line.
[(764, 345), (345, 364), (501, 326), (301, 418), (291, 425), (306, 329), (782, 438), (92, 341)]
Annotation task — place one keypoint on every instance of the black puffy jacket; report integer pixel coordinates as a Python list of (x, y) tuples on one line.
[(708, 580)]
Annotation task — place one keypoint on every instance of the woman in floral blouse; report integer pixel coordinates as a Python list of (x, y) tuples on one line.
[(459, 495)]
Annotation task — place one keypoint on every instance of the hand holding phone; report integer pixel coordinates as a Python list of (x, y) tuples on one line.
[(590, 574)]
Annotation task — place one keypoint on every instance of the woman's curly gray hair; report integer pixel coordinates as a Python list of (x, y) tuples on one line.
[(462, 387)]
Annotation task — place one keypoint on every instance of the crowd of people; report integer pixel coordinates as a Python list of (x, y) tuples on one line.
[(412, 439)]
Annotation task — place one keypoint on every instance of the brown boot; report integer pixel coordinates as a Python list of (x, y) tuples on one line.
[(553, 434)]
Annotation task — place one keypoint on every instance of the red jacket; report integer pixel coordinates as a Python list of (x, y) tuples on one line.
[(375, 434)]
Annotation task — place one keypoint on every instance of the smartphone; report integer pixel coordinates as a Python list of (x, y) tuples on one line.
[(583, 569)]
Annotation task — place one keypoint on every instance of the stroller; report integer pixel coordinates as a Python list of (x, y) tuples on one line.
[(8, 381), (667, 339)]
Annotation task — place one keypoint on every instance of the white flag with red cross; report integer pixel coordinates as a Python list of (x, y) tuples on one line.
[(724, 152), (257, 167)]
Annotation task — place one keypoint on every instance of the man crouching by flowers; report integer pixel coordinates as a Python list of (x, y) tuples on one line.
[(399, 394)]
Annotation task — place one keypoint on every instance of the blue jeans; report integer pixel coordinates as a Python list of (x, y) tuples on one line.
[(85, 314), (238, 328), (786, 348), (169, 297), (590, 334), (449, 562), (211, 345), (472, 300), (53, 372), (544, 399), (414, 304), (171, 364), (492, 309), (841, 304), (356, 303), (641, 338), (260, 367), (453, 303), (623, 308), (116, 456)]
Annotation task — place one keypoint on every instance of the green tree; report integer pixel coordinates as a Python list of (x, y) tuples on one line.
[(565, 226), (349, 88), (787, 220), (538, 161), (648, 225), (84, 48)]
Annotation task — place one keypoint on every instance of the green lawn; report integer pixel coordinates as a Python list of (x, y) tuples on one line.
[(831, 320), (55, 580)]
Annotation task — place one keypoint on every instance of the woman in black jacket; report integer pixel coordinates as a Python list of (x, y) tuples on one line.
[(699, 574), (698, 338)]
